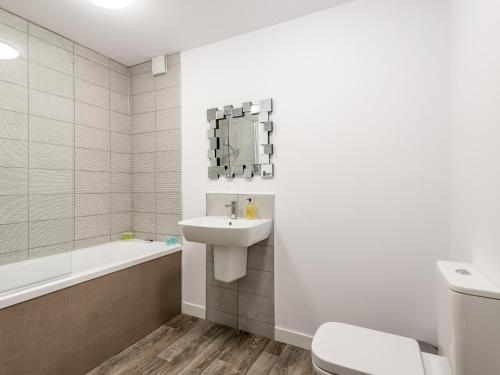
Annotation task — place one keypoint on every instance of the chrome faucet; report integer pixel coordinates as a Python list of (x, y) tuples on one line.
[(234, 212)]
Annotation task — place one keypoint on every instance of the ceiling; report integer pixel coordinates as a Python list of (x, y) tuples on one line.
[(147, 28)]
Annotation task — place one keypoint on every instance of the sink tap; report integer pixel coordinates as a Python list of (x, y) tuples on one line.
[(234, 213)]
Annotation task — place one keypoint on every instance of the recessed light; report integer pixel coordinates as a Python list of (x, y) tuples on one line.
[(111, 4), (7, 52)]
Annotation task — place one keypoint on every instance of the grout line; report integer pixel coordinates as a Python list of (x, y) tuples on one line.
[(28, 140), (110, 150), (74, 153)]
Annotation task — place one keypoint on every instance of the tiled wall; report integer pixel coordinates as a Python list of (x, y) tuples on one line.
[(65, 144), (156, 151), (247, 303)]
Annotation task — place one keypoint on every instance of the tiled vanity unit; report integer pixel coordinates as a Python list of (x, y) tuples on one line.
[(248, 303)]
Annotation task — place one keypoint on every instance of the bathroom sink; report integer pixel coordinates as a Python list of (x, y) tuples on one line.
[(230, 239)]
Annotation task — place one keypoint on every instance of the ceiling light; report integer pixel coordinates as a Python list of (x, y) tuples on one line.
[(111, 4), (7, 52)]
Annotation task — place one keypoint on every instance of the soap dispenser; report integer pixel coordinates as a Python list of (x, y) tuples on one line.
[(250, 210)]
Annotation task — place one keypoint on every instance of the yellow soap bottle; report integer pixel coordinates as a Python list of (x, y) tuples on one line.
[(250, 210)]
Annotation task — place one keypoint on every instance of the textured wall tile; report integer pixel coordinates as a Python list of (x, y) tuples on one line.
[(13, 153), (14, 71), (15, 38), (257, 328), (92, 226), (141, 68), (120, 142), (143, 222), (120, 123), (45, 156), (143, 103), (92, 204), (257, 282), (91, 94), (50, 182), (16, 256), (142, 83), (120, 68), (144, 162), (121, 162), (50, 37), (172, 78), (51, 81), (216, 203), (168, 161), (219, 317), (261, 258), (13, 97), (89, 242), (44, 251), (221, 299), (119, 82), (168, 140), (13, 21), (50, 56), (91, 115), (45, 130), (47, 206), (50, 232), (256, 307), (169, 203), (144, 235), (167, 224), (168, 98), (14, 237), (120, 222), (143, 182), (143, 202), (144, 142), (91, 55), (119, 103), (92, 138), (121, 182), (173, 59), (13, 209), (92, 160), (168, 181), (13, 181), (51, 106), (92, 182), (168, 119), (92, 72), (143, 123), (121, 202), (14, 125)]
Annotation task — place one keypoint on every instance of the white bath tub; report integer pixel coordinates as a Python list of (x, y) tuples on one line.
[(22, 281)]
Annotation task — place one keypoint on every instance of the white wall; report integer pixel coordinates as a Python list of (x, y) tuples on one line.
[(476, 134), (362, 153)]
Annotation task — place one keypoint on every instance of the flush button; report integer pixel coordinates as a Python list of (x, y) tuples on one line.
[(462, 271)]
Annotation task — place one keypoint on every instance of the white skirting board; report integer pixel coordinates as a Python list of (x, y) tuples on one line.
[(194, 310), (293, 338)]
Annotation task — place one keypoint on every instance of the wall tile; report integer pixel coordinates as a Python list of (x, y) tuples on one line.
[(51, 81), (144, 162), (50, 206), (120, 68), (168, 140), (143, 183), (46, 130), (92, 182), (13, 181), (120, 123), (14, 237), (120, 222), (120, 142), (167, 224), (144, 235), (50, 232), (144, 202), (119, 103), (91, 55), (256, 308), (121, 202), (88, 137), (168, 161), (216, 203), (142, 83), (13, 97), (14, 257), (173, 59), (50, 37), (45, 156), (121, 182), (15, 38), (258, 282), (119, 82), (42, 181), (221, 299), (121, 162), (14, 125), (44, 251), (91, 94), (91, 115), (219, 317), (144, 222), (92, 226), (92, 72), (13, 21), (51, 106), (169, 203), (143, 103), (168, 181), (144, 142), (13, 153), (13, 209), (141, 68), (261, 258), (168, 98), (168, 119), (14, 71), (143, 123), (89, 242), (50, 56), (257, 328), (92, 204), (172, 78), (92, 160)]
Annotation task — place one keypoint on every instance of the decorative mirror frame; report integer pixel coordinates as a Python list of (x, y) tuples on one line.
[(262, 166)]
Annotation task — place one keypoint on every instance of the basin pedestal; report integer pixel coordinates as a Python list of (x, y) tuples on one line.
[(230, 263)]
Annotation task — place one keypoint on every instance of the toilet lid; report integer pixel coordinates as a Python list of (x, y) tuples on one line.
[(343, 349)]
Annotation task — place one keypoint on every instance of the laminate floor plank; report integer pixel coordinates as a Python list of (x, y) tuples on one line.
[(190, 346)]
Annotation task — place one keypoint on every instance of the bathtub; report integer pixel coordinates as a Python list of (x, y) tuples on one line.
[(33, 278)]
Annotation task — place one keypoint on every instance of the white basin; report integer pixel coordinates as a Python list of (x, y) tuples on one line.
[(230, 238)]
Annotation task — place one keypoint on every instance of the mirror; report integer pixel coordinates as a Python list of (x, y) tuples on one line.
[(239, 144)]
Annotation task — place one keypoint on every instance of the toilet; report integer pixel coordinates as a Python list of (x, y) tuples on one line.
[(468, 335)]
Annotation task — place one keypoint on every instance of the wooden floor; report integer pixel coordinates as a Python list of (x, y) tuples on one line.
[(187, 345)]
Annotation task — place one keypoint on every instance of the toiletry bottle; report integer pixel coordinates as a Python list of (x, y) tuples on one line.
[(250, 210)]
